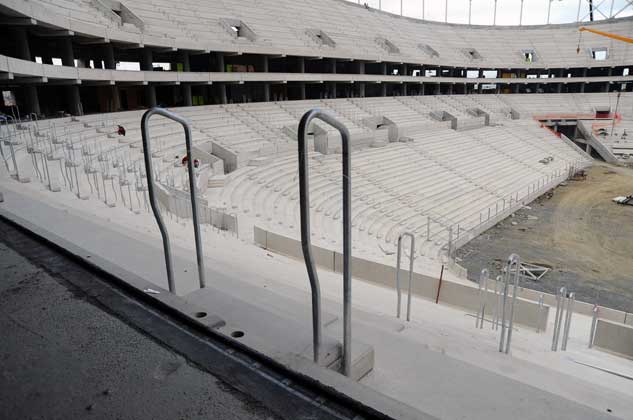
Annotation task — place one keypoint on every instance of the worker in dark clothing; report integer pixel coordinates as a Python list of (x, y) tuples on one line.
[(121, 131)]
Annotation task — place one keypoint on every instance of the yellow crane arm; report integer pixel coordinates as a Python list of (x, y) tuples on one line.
[(608, 35)]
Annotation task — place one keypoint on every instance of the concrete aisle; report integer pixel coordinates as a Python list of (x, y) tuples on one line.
[(63, 358)]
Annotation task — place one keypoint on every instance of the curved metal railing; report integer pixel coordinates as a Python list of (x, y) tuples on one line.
[(304, 197), (147, 154)]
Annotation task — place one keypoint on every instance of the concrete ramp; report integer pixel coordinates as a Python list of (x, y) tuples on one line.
[(603, 150)]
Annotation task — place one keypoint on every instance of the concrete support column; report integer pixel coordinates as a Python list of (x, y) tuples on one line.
[(221, 66), (516, 88), (267, 92), (559, 88), (498, 89), (175, 94), (302, 90), (301, 65), (108, 57), (421, 89), (361, 67), (150, 95), (147, 59), (265, 63), (333, 91), (333, 65), (405, 69), (186, 94), (68, 55), (74, 100), (223, 95), (404, 89), (582, 87), (183, 57), (116, 99), (361, 89), (384, 89), (33, 99), (22, 43), (450, 88), (383, 68)]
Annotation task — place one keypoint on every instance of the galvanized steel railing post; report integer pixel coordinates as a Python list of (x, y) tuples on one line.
[(594, 323), (411, 258), (568, 315), (541, 299), (513, 261), (483, 295), (560, 307), (304, 202), (495, 313), (147, 154)]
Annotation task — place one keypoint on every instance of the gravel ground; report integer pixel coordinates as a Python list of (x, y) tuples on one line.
[(577, 231)]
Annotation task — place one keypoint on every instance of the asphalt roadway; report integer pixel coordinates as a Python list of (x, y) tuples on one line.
[(64, 357)]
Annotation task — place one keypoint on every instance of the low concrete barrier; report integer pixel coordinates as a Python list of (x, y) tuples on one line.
[(178, 203), (463, 296), (614, 337)]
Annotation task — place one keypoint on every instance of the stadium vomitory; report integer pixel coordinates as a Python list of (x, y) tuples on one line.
[(399, 209)]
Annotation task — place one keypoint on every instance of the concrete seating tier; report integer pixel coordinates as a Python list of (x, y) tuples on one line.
[(450, 178)]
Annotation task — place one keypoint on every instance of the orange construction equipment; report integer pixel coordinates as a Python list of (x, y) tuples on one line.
[(608, 35), (605, 34)]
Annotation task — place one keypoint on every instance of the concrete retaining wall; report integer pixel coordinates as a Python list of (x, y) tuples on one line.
[(463, 296), (614, 337)]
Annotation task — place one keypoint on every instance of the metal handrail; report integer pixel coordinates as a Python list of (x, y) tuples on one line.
[(483, 296), (560, 308), (304, 197), (594, 323), (568, 315), (411, 258), (513, 261), (495, 313), (147, 155)]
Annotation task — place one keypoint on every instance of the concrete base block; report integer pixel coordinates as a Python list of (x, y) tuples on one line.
[(278, 326), (614, 337)]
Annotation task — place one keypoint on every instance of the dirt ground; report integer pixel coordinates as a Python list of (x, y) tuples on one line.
[(584, 237)]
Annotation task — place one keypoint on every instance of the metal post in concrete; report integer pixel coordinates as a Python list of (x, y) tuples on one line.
[(147, 154), (306, 245), (568, 316), (514, 261), (560, 307), (594, 323), (483, 296), (399, 258)]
